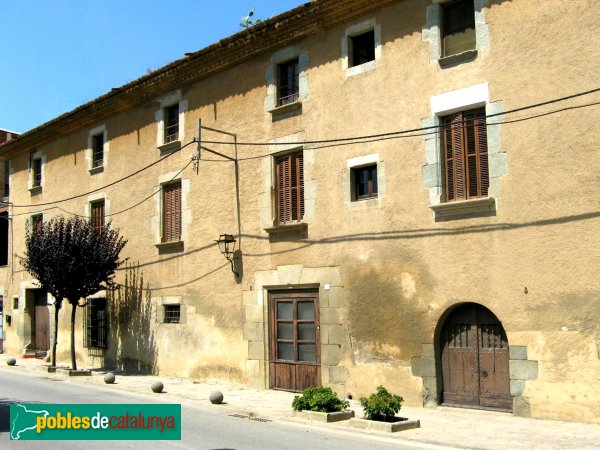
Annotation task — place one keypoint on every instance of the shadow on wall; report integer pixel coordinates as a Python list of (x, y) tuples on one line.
[(131, 344)]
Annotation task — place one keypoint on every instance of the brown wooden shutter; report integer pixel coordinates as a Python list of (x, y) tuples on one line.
[(171, 212), (290, 188), (465, 155), (98, 214)]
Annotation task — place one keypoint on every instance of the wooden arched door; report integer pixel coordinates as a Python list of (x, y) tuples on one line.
[(474, 353)]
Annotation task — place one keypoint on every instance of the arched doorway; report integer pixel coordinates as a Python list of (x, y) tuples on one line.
[(474, 359)]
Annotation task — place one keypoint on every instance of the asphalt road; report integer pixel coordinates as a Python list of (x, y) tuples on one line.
[(201, 428)]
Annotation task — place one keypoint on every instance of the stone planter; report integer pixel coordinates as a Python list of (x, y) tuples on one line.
[(324, 417), (387, 427)]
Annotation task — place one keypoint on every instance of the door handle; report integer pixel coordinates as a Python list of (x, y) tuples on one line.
[(484, 373)]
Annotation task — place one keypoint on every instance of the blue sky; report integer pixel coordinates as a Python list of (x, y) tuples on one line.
[(58, 54)]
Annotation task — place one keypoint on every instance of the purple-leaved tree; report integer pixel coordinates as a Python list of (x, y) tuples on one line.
[(72, 259)]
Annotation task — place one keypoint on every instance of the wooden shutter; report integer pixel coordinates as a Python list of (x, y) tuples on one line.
[(98, 214), (290, 188), (465, 155), (171, 212)]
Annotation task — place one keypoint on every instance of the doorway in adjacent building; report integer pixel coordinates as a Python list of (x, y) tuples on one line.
[(294, 356), (41, 319), (474, 357)]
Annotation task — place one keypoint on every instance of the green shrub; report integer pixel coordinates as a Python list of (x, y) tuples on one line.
[(321, 399), (381, 405)]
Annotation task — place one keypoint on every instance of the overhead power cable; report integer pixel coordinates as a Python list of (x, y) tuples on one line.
[(107, 185), (129, 208), (400, 132)]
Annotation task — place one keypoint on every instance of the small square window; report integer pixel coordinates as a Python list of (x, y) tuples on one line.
[(36, 172), (288, 89), (172, 314), (363, 48), (171, 123), (458, 27), (364, 182), (97, 150)]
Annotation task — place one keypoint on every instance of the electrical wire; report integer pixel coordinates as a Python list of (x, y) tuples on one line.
[(107, 185), (132, 206), (400, 132)]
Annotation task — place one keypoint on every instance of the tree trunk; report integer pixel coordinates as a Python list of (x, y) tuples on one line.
[(57, 306), (73, 312)]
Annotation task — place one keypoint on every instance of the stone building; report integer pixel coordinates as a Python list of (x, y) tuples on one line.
[(412, 187)]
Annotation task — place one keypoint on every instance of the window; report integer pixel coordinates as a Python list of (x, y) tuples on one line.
[(458, 27), (363, 48), (365, 182), (4, 238), (290, 188), (289, 85), (95, 323), (97, 214), (37, 221), (36, 171), (97, 150), (172, 314), (465, 155), (171, 123), (171, 214), (15, 303)]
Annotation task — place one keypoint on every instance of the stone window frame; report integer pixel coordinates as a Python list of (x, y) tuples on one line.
[(164, 103), (433, 171), (355, 30), (89, 151), (432, 33), (267, 201), (347, 188), (272, 81), (36, 155), (186, 213)]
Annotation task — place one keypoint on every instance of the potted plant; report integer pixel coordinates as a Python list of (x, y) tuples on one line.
[(321, 404), (380, 409)]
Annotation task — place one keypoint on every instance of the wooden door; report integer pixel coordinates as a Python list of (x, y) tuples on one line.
[(295, 362), (42, 321), (474, 353)]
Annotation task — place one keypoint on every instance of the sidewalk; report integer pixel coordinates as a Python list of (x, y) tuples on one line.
[(441, 426)]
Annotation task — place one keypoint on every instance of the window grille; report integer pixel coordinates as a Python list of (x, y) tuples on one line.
[(289, 82), (171, 123), (98, 150), (172, 314), (95, 324)]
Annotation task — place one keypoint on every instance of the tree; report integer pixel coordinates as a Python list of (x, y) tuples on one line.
[(72, 259)]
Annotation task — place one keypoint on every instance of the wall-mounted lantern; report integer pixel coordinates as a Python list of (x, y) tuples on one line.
[(226, 244)]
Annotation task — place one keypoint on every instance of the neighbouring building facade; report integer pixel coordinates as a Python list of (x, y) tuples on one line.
[(412, 187)]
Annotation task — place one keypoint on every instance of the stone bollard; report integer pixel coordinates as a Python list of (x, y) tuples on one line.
[(11, 361), (157, 387), (216, 397), (109, 378)]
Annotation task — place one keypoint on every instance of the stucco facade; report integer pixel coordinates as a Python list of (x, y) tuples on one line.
[(387, 270)]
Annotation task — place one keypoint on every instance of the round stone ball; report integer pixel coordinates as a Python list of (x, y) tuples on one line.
[(11, 361), (109, 378), (216, 397), (157, 387)]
